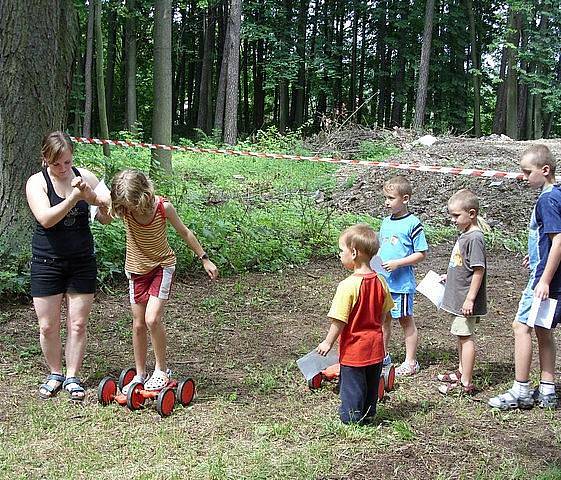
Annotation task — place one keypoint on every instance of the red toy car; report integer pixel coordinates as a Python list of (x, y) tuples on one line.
[(109, 390), (387, 379)]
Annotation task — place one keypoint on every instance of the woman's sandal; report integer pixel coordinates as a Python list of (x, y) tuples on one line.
[(457, 387), (47, 391), (74, 388), (450, 377)]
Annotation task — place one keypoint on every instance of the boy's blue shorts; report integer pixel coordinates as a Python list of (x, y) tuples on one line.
[(525, 305), (403, 305)]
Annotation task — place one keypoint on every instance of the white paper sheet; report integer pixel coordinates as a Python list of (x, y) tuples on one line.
[(541, 313), (376, 264), (312, 363), (102, 191), (432, 288)]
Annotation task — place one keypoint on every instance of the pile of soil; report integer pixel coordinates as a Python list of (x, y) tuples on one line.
[(505, 204)]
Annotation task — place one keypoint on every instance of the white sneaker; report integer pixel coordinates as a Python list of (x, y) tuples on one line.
[(406, 369), (135, 379)]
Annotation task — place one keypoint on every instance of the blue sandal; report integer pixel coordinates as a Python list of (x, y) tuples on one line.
[(77, 392), (49, 389)]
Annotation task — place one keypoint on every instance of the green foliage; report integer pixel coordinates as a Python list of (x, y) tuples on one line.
[(14, 269), (377, 151)]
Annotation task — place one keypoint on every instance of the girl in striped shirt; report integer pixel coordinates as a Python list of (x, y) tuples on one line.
[(150, 266)]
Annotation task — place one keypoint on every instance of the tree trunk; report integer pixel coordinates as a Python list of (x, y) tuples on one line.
[(354, 48), (231, 102), (36, 60), (512, 80), (245, 73), (476, 73), (499, 119), (111, 54), (100, 83), (421, 101), (87, 130), (161, 118), (300, 87), (206, 71), (130, 51), (362, 67), (221, 90)]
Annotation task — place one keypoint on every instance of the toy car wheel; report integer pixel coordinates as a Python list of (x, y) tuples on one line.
[(134, 399), (186, 391), (381, 389), (165, 402), (106, 390), (126, 377), (315, 382), (389, 378)]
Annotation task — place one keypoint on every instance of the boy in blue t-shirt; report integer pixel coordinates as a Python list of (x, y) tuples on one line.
[(544, 255), (402, 245)]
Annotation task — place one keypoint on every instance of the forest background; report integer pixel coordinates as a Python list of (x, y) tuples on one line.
[(261, 74)]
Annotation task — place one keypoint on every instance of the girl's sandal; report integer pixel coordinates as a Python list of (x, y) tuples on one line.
[(74, 388), (450, 377), (457, 387), (47, 390), (157, 381)]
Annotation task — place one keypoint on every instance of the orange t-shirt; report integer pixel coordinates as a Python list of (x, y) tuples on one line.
[(361, 301)]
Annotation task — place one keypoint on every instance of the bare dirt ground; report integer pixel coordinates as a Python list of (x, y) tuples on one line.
[(229, 336), (505, 204)]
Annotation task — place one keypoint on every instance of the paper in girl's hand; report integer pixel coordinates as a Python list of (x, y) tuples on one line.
[(376, 265), (102, 192), (542, 312), (432, 287)]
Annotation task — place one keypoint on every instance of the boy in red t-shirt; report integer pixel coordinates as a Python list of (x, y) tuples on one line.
[(357, 311)]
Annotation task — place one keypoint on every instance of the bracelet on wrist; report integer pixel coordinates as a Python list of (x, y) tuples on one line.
[(204, 256)]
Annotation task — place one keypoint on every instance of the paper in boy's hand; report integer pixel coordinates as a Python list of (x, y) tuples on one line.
[(312, 363), (541, 313), (431, 287), (103, 192), (376, 264)]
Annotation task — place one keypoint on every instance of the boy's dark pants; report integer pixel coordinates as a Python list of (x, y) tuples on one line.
[(358, 389)]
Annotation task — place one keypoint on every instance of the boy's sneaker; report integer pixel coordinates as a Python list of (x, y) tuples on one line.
[(509, 401), (544, 401), (406, 369), (387, 360)]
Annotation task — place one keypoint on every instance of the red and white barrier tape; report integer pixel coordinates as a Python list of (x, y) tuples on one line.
[(472, 172)]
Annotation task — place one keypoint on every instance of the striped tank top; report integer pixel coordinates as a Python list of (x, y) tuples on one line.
[(147, 243)]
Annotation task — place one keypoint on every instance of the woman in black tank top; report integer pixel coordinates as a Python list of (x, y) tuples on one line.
[(63, 260)]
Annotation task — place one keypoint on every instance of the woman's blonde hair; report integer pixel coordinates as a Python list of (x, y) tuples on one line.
[(131, 190), (467, 200), (54, 145)]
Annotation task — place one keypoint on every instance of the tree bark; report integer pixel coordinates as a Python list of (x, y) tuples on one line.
[(130, 51), (87, 129), (512, 80), (231, 102), (206, 71), (36, 60), (421, 101), (300, 87), (161, 118), (111, 59), (476, 73), (100, 83)]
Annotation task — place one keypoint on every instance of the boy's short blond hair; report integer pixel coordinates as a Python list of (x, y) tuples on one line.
[(540, 156), (131, 190), (362, 238), (465, 199), (400, 184)]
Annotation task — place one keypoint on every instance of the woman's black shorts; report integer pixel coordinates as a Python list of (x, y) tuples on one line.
[(51, 276)]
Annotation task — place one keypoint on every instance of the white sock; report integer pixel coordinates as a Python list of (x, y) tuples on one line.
[(547, 388), (521, 389)]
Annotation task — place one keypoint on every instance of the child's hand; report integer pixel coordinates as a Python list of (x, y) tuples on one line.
[(323, 348), (391, 265), (210, 269), (467, 308), (443, 278), (542, 290), (526, 261), (82, 191)]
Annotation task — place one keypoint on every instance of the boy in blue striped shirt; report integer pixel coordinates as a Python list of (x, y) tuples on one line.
[(402, 245)]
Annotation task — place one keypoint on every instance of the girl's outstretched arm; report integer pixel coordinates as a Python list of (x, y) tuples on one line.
[(190, 239)]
